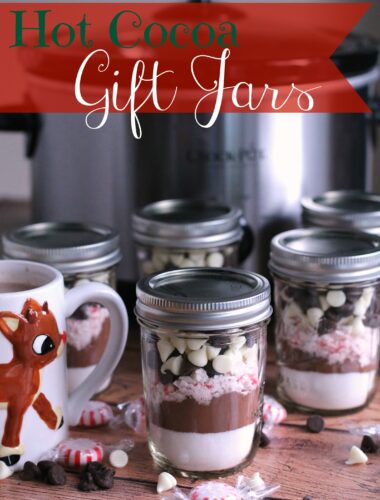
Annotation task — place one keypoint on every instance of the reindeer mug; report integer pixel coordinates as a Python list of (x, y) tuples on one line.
[(35, 410)]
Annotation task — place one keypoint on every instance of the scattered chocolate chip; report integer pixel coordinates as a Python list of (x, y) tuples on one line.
[(86, 482), (307, 497), (30, 472), (56, 475), (315, 423), (368, 445), (94, 476), (44, 466), (264, 440)]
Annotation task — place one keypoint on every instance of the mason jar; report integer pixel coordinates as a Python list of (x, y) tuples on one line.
[(83, 253), (327, 303), (203, 337), (174, 234), (343, 210)]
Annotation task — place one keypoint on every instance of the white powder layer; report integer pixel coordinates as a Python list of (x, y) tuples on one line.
[(80, 333), (195, 452), (336, 347), (328, 391), (202, 388)]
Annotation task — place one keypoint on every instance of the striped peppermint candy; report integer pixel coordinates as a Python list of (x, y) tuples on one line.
[(78, 452), (96, 413), (273, 411)]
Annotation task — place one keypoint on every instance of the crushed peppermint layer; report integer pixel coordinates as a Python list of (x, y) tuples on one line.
[(202, 388), (81, 332), (338, 346)]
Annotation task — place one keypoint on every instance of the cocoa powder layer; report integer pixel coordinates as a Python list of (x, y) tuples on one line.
[(303, 361), (92, 354), (224, 413)]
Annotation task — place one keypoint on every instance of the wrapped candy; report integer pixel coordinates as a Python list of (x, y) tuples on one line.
[(273, 411)]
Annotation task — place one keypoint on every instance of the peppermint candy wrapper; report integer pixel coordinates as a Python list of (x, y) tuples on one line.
[(96, 413), (273, 411), (213, 490)]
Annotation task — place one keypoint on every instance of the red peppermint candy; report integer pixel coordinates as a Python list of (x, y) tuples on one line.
[(95, 413), (79, 452)]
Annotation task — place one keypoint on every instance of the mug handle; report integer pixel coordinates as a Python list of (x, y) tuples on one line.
[(107, 297)]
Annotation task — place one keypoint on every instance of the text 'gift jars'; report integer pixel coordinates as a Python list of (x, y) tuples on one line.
[(327, 317), (203, 334)]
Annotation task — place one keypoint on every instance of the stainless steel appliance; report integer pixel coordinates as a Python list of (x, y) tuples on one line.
[(263, 163)]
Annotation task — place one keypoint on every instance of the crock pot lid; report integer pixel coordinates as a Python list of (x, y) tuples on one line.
[(69, 246), (355, 209), (203, 299), (357, 54), (326, 255)]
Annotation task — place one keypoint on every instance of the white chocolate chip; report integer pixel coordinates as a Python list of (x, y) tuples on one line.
[(324, 303), (257, 482), (165, 482), (165, 349), (237, 342), (187, 263), (160, 256), (179, 344), (177, 259), (235, 354), (147, 267), (82, 281), (157, 263), (250, 356), (199, 357), (215, 259), (336, 298), (173, 364), (195, 344), (357, 456), (223, 363), (314, 314), (360, 307), (198, 258), (357, 326), (118, 459), (5, 471), (212, 352)]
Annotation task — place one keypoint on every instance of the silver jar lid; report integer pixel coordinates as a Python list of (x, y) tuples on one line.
[(68, 246), (326, 255), (203, 299), (187, 224), (343, 209)]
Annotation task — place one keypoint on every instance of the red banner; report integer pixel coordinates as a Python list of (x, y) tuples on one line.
[(175, 57)]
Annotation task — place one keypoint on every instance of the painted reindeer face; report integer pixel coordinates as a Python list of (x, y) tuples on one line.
[(34, 334)]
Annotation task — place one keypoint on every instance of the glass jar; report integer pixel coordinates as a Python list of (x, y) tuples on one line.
[(174, 234), (343, 210), (83, 253), (203, 335), (327, 303)]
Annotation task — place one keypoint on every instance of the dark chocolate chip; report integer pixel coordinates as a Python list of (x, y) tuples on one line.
[(264, 440), (167, 378), (56, 475), (368, 445), (44, 466), (86, 482), (210, 370), (250, 339), (353, 294), (315, 423), (93, 467), (307, 497), (30, 472), (187, 368), (104, 478), (326, 326), (175, 354), (219, 340), (333, 314), (306, 298)]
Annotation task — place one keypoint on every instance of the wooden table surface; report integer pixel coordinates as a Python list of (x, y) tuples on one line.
[(301, 462)]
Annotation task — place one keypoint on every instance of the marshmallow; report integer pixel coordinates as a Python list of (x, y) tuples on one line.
[(5, 471), (215, 259), (165, 348), (118, 459), (198, 358), (336, 298), (165, 482), (357, 456)]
